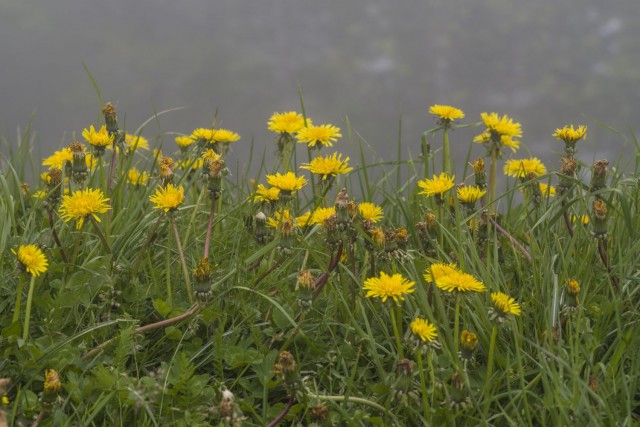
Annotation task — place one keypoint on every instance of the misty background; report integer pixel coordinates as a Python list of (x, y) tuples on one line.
[(546, 63)]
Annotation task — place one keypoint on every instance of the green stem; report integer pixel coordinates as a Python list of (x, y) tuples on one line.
[(101, 235), (396, 332), (423, 385), (16, 312), (185, 270), (493, 172), (446, 157), (432, 375), (456, 324), (27, 315), (492, 349), (167, 263)]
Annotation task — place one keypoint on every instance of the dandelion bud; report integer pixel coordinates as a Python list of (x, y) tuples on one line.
[(79, 165), (166, 171), (401, 237), (599, 176), (287, 370), (54, 185), (402, 387), (260, 233), (52, 387), (110, 117), (305, 290), (600, 218), (320, 414), (479, 173), (230, 413), (468, 343), (202, 279)]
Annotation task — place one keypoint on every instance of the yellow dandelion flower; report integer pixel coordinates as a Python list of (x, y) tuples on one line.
[(97, 138), (32, 259), (224, 136), (5, 399), (211, 156), (570, 135), (436, 186), (377, 234), (168, 198), (547, 190), (459, 281), (468, 340), (202, 134), (573, 287), (289, 122), (508, 141), (82, 204), (40, 194), (584, 219), (500, 130), (133, 142), (501, 125), (523, 167), (136, 177), (195, 164), (385, 286), (439, 270), (44, 176), (266, 195), (320, 215), (370, 212), (470, 194), (279, 218), (425, 330), (91, 161), (446, 113), (504, 304), (304, 219), (318, 136), (52, 381), (58, 159), (328, 166), (286, 182), (184, 141)]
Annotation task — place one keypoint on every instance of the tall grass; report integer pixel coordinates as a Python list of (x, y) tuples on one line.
[(132, 346)]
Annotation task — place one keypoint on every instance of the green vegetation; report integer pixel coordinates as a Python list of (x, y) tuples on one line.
[(156, 286)]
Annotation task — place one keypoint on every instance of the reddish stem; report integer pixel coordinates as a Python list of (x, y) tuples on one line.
[(282, 414), (207, 238)]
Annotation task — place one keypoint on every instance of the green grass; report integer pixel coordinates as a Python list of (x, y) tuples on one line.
[(98, 319)]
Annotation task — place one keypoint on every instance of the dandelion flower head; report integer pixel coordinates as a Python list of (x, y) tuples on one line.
[(470, 194), (504, 304), (385, 287), (571, 135), (286, 182), (98, 138), (82, 204), (319, 136), (58, 158), (446, 113), (459, 281), (436, 186), (168, 198), (423, 329), (32, 259), (328, 166), (523, 167), (289, 122), (370, 212)]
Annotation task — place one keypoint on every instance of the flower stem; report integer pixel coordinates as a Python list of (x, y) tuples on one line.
[(100, 233), (446, 156), (456, 324), (492, 349), (185, 270), (423, 385), (27, 314), (396, 332), (167, 265), (493, 172), (207, 238), (16, 312)]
